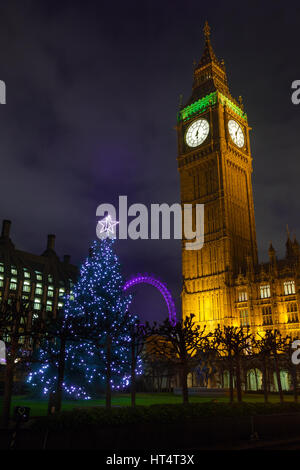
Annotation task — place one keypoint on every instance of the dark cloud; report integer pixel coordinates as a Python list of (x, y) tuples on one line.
[(92, 95)]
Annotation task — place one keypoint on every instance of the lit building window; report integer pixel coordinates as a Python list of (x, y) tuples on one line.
[(61, 292), (37, 304), (243, 296), (39, 276), (60, 305), (26, 286), (289, 287), (13, 271), (244, 317), (26, 273), (49, 305), (50, 278), (265, 291), (1, 280), (39, 289), (1, 268), (292, 312), (267, 315), (50, 291), (13, 283)]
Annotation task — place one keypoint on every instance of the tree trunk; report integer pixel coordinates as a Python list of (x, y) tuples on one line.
[(108, 373), (184, 385), (8, 382), (256, 379), (133, 378), (238, 380), (61, 374), (8, 388), (265, 379), (160, 380), (277, 371), (295, 384), (230, 380)]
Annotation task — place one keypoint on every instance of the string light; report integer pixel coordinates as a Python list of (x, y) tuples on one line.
[(99, 302)]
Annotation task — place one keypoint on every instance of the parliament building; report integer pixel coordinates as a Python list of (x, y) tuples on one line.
[(41, 279), (224, 283)]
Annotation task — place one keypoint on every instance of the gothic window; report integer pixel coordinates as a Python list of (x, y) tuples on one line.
[(267, 315), (292, 312), (244, 317), (243, 296), (265, 291), (289, 287)]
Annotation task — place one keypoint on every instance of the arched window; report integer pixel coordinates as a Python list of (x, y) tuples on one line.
[(284, 379), (254, 379)]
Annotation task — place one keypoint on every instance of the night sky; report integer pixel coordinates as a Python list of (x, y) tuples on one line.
[(92, 95)]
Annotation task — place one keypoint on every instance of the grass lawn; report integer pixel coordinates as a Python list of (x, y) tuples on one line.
[(39, 407)]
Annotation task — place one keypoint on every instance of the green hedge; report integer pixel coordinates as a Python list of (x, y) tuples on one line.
[(99, 417)]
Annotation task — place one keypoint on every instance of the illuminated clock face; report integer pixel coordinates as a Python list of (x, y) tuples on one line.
[(197, 133), (236, 133)]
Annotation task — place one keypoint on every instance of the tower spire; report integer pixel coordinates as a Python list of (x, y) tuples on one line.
[(209, 72), (208, 55), (206, 31)]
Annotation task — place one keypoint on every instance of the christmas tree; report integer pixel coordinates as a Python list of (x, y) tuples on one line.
[(96, 329)]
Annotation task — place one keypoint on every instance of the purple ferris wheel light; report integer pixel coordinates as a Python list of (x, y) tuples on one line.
[(146, 279)]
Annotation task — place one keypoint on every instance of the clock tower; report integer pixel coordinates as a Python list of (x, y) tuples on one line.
[(215, 167)]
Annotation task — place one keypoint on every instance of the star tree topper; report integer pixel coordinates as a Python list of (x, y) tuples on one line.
[(107, 228)]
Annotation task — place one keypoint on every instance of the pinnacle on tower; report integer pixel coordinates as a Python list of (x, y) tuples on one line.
[(289, 244), (271, 248), (208, 55), (272, 254), (295, 241), (206, 31)]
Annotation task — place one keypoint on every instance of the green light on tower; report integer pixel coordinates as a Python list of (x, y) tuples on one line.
[(203, 104)]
